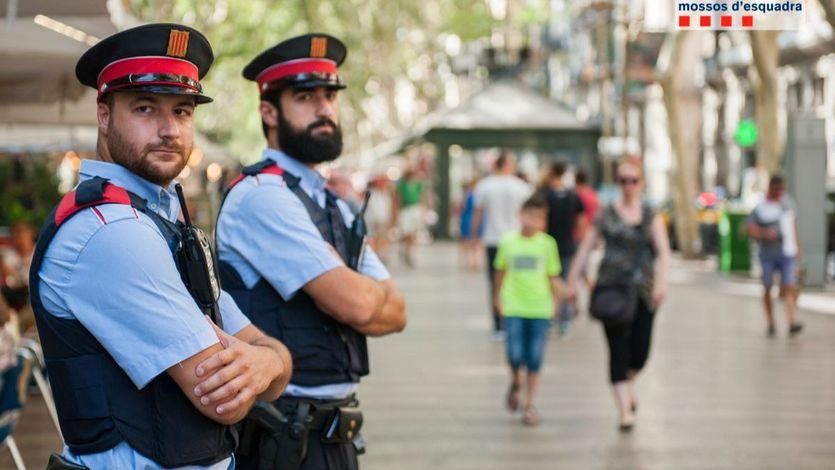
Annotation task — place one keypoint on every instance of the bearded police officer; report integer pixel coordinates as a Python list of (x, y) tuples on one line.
[(294, 266), (120, 288)]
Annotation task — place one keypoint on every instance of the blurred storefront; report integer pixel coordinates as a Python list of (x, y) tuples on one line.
[(48, 119)]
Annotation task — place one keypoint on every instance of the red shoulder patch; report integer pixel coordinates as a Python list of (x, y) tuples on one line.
[(273, 169), (112, 195)]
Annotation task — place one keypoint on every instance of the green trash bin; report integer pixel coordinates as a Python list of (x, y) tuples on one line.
[(735, 247)]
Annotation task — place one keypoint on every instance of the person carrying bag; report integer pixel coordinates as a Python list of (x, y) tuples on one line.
[(615, 301), (631, 283)]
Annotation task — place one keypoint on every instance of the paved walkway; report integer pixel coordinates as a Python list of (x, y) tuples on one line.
[(717, 394)]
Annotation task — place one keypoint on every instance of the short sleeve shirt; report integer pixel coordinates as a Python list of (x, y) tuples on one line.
[(264, 231), (410, 192), (529, 263), (500, 197), (777, 215), (112, 270), (563, 208)]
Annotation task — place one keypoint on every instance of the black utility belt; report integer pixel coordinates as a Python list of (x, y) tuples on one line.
[(277, 434), (335, 420)]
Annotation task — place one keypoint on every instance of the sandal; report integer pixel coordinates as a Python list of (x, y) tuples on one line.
[(626, 426), (512, 400), (530, 418)]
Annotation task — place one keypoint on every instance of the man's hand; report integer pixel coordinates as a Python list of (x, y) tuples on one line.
[(235, 376), (770, 234)]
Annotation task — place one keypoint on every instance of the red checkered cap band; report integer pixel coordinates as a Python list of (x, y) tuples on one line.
[(147, 65), (295, 67)]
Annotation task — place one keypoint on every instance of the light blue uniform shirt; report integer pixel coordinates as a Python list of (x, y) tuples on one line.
[(114, 273), (265, 231)]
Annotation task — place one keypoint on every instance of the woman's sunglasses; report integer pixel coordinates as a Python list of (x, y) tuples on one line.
[(623, 181)]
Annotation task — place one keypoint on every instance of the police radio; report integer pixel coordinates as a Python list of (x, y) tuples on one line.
[(197, 264), (359, 232)]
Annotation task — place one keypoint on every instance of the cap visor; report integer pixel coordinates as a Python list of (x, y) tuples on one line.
[(310, 84), (167, 90)]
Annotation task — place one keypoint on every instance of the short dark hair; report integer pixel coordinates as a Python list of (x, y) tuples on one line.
[(108, 99), (503, 158), (537, 201), (274, 98), (580, 177), (558, 168), (776, 178)]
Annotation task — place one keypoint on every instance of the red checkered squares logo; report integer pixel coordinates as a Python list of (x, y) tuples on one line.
[(747, 21), (704, 21), (726, 21), (683, 21)]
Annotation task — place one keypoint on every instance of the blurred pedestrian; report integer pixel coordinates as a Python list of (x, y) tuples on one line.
[(498, 198), (773, 225), (636, 252), (588, 196), (527, 265), (410, 194), (340, 184), (470, 250), (8, 339), (565, 216), (16, 264), (15, 269), (380, 215)]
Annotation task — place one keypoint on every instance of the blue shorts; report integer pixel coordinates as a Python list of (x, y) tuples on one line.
[(526, 338), (786, 265)]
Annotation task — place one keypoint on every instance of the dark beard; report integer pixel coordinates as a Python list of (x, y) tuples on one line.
[(306, 147), (129, 156)]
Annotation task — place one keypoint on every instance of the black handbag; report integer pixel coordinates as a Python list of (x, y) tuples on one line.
[(615, 303)]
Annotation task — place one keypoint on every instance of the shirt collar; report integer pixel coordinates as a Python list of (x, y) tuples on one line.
[(161, 200), (310, 180)]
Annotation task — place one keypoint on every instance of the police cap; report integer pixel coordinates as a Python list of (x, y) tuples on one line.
[(156, 58), (308, 61)]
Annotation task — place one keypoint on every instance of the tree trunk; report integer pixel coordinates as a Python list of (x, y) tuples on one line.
[(766, 56), (681, 100), (829, 10)]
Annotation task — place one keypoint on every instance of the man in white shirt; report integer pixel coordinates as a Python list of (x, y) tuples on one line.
[(772, 224), (498, 199)]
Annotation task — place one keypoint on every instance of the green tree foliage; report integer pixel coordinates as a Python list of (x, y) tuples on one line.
[(388, 42), (29, 191)]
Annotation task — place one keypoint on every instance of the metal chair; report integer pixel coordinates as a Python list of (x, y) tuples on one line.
[(12, 398), (33, 349)]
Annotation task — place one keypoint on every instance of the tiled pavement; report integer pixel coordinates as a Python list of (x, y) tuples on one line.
[(717, 394)]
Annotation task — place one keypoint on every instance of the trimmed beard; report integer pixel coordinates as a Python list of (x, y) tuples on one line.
[(306, 147), (128, 155)]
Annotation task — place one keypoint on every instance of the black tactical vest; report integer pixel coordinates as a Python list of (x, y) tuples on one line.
[(98, 405), (324, 351)]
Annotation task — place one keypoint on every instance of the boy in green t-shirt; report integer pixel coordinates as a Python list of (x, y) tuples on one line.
[(526, 289)]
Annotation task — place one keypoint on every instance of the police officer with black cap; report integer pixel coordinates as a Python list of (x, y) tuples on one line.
[(292, 256), (150, 363)]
